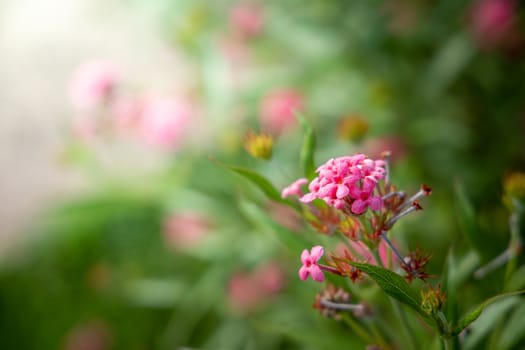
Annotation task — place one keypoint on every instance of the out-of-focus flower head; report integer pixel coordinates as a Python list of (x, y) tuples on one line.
[(93, 83), (277, 110), (493, 23), (125, 112), (186, 229), (375, 147), (403, 16), (258, 145), (247, 19), (85, 128), (348, 183), (514, 190), (352, 127), (164, 121), (94, 335), (247, 290)]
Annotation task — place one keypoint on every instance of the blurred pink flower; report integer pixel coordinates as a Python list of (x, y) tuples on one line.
[(92, 83), (394, 144), (494, 23), (186, 229), (246, 18), (362, 252), (85, 128), (277, 110), (285, 216), (94, 335), (164, 121), (248, 290), (310, 266), (125, 112)]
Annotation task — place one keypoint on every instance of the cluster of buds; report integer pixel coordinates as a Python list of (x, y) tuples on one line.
[(352, 196), (432, 300)]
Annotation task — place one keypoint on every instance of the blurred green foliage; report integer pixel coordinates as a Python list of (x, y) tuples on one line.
[(411, 69)]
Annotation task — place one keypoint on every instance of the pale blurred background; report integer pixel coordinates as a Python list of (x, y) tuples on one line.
[(41, 43)]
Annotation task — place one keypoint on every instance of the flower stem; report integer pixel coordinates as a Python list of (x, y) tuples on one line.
[(357, 328)]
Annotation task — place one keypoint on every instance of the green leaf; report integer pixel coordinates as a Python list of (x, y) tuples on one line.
[(258, 180), (474, 314), (514, 330), (393, 285), (466, 216), (308, 147)]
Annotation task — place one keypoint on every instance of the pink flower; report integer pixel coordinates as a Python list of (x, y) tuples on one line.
[(164, 121), (125, 112), (247, 19), (247, 290), (277, 110), (85, 128), (348, 183), (92, 83), (493, 23), (310, 266), (294, 189), (186, 229), (93, 335)]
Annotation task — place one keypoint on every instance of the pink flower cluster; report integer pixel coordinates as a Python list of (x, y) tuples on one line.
[(348, 183)]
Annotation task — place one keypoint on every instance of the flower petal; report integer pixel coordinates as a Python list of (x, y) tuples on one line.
[(307, 198), (305, 256), (358, 207), (316, 253), (342, 191), (304, 272), (375, 203), (316, 273)]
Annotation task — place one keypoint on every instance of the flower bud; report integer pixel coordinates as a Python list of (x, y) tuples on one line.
[(432, 300), (352, 128), (259, 145)]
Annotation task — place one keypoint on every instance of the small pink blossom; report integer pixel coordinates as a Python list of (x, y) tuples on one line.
[(164, 121), (310, 266), (294, 189), (348, 183), (247, 19), (92, 83), (277, 110)]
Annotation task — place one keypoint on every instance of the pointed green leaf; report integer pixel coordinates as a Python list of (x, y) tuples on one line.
[(308, 147), (393, 285), (474, 314), (260, 181), (466, 216)]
